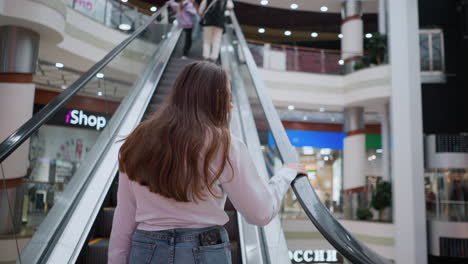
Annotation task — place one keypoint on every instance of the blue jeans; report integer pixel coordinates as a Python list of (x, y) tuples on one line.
[(178, 246)]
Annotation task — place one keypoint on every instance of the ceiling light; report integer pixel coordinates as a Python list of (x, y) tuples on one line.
[(314, 34), (64, 87), (124, 1), (294, 6), (59, 65), (125, 27), (379, 151), (287, 33), (291, 107), (340, 36), (99, 93), (264, 2), (100, 75), (308, 150), (341, 62), (333, 119), (261, 30), (322, 109), (325, 151), (305, 118), (153, 9), (324, 9), (368, 35)]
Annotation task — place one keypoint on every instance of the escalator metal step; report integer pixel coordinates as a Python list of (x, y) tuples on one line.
[(96, 251), (104, 223)]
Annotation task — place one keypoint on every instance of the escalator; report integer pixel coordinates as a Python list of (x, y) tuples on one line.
[(77, 227)]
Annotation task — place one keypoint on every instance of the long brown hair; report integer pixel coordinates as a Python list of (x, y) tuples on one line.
[(171, 152)]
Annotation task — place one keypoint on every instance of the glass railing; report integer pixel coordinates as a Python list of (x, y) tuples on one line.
[(48, 160), (336, 243), (112, 13), (297, 232), (291, 58), (447, 194)]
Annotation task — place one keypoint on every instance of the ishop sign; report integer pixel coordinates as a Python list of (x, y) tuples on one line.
[(78, 117), (314, 256)]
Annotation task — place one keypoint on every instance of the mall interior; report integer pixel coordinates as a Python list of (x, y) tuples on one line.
[(371, 95)]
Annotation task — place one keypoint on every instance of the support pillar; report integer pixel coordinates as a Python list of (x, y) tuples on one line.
[(354, 161), (18, 58), (386, 146), (383, 28), (407, 134), (352, 28)]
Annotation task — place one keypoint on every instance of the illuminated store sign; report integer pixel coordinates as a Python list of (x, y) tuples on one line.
[(314, 256), (78, 117)]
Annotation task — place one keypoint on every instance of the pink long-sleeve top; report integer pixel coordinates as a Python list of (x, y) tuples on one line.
[(256, 199)]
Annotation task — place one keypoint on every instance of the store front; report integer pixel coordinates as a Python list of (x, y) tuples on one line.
[(58, 149)]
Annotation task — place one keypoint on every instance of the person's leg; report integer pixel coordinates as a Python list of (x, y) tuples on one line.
[(188, 41), (216, 35), (206, 41)]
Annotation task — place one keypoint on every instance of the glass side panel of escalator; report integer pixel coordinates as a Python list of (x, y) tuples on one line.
[(39, 174), (305, 243)]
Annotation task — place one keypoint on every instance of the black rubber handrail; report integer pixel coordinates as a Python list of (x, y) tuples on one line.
[(324, 221), (12, 142)]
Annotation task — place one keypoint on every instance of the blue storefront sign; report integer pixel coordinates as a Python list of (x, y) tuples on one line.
[(315, 139)]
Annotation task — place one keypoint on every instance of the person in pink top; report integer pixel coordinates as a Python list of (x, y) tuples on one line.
[(176, 170)]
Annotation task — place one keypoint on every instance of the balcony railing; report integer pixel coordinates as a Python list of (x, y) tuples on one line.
[(293, 58), (112, 13)]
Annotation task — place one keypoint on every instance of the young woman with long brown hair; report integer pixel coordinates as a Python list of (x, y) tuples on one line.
[(176, 169)]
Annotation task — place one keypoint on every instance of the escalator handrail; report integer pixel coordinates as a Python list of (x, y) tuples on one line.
[(325, 222), (12, 142)]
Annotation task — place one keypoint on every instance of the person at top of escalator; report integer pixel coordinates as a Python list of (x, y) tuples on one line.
[(185, 12), (212, 19), (176, 170)]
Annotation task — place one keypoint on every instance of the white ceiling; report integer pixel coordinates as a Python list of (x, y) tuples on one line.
[(49, 76), (334, 6)]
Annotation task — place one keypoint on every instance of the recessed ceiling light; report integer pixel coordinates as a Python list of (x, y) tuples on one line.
[(324, 9), (125, 1), (294, 6), (341, 62), (308, 150), (291, 107), (368, 35), (325, 151), (340, 35), (322, 109), (261, 30), (99, 93), (153, 9), (125, 27), (64, 87), (100, 75), (287, 33), (314, 34), (59, 65), (264, 2)]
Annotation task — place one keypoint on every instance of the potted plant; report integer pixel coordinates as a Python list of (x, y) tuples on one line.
[(364, 214), (377, 48), (382, 197)]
